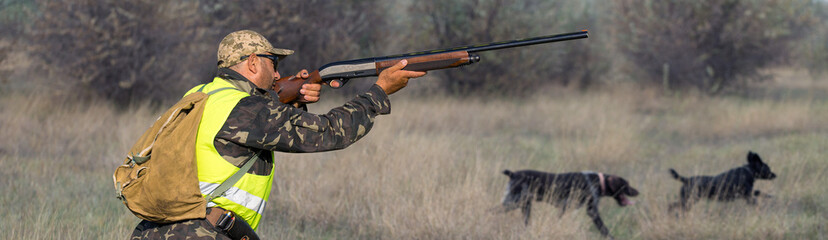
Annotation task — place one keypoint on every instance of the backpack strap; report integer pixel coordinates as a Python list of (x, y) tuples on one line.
[(218, 90), (138, 159), (224, 186), (145, 154), (215, 91)]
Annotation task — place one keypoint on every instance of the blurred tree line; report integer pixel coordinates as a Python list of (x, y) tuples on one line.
[(155, 50)]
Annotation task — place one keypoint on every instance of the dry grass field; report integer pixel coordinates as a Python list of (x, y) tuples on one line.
[(431, 169)]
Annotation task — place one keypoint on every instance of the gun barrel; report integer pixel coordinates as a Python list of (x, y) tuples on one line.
[(529, 41), (497, 45)]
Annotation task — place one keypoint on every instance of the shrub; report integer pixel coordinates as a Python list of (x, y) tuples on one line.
[(12, 17), (120, 50), (813, 51), (143, 49), (709, 45)]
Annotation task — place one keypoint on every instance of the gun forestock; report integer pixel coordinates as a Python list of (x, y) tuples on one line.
[(431, 61), (371, 67)]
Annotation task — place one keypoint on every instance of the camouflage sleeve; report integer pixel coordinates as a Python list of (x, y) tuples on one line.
[(262, 123)]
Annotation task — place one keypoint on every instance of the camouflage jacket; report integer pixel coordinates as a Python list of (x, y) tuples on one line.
[(260, 122)]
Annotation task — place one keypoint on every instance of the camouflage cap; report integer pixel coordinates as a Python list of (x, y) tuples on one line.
[(243, 43)]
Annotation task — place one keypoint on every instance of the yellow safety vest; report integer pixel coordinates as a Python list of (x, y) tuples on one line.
[(248, 196)]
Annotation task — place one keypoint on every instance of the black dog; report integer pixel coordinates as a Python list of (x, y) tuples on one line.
[(563, 189), (730, 185)]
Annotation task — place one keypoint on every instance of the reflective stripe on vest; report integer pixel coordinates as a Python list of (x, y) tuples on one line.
[(235, 195), (248, 196)]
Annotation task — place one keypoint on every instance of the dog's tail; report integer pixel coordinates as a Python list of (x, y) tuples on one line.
[(677, 176), (509, 173)]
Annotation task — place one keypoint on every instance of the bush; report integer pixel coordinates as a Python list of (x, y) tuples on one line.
[(121, 50), (150, 50), (12, 17), (813, 51), (709, 45)]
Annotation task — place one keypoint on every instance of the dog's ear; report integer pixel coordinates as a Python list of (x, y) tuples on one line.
[(609, 181), (753, 158), (614, 184)]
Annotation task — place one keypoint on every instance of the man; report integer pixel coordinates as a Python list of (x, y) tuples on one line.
[(249, 122)]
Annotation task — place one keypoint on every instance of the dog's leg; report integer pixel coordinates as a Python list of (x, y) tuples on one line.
[(686, 204), (750, 200), (673, 206), (527, 211), (563, 209), (510, 207), (592, 211), (503, 208), (687, 199), (681, 204), (757, 194)]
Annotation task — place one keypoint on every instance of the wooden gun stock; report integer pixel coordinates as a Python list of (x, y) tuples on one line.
[(288, 87)]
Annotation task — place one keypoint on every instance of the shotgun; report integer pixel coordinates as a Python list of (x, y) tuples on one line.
[(340, 72)]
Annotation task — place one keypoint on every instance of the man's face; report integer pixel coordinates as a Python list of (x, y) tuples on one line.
[(266, 74), (270, 72)]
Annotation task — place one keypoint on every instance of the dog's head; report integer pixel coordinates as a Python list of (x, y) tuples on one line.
[(760, 169), (619, 189), (515, 188)]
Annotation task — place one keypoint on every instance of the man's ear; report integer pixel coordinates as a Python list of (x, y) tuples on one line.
[(252, 62)]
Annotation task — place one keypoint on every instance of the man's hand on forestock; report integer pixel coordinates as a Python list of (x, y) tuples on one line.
[(394, 78)]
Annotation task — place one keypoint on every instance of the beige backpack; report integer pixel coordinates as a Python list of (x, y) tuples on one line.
[(158, 181)]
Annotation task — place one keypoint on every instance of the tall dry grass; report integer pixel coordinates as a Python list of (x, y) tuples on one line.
[(431, 169)]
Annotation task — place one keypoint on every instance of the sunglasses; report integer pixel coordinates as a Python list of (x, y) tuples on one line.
[(273, 58)]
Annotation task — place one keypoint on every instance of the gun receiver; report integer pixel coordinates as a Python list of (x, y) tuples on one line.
[(336, 74)]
